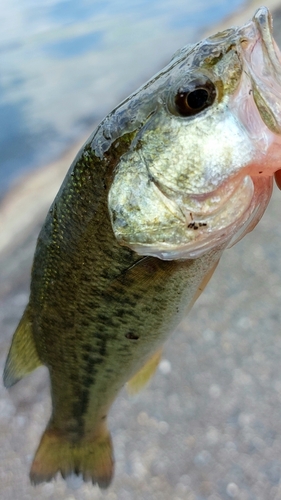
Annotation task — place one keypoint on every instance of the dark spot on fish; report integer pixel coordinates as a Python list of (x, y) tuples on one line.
[(114, 215), (87, 347), (90, 305), (193, 225), (98, 360), (86, 279), (102, 349), (91, 364), (109, 370), (120, 313), (131, 336), (99, 337), (260, 172), (85, 323), (196, 225), (103, 417), (87, 381), (103, 317), (136, 297), (79, 408), (86, 356), (73, 377)]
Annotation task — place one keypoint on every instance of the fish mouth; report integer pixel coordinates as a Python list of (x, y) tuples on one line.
[(189, 224), (262, 60), (224, 216)]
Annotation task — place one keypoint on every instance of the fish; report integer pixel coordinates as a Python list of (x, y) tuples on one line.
[(178, 172)]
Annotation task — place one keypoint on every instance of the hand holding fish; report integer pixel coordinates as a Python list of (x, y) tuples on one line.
[(277, 177)]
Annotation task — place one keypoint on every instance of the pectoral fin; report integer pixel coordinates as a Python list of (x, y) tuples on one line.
[(202, 286), (22, 358), (142, 377)]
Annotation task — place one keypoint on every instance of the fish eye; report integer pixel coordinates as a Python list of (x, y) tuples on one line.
[(198, 94)]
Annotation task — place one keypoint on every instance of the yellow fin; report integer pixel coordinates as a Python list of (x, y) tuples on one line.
[(93, 458), (142, 377), (202, 286), (22, 358)]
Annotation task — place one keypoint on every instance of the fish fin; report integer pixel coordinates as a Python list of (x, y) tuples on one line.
[(93, 458), (202, 286), (22, 358), (142, 377)]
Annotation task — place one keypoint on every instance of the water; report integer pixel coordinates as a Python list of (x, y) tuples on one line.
[(65, 64)]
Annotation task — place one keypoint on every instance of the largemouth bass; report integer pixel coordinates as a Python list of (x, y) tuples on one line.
[(176, 173)]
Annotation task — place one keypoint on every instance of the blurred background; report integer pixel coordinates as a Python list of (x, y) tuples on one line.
[(208, 427), (65, 64)]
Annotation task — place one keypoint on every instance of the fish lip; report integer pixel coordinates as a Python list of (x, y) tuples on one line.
[(264, 24), (262, 64), (260, 29)]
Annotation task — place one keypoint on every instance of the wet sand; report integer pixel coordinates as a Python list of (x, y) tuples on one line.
[(209, 424)]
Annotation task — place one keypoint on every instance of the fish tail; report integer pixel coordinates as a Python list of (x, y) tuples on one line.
[(93, 458), (23, 357)]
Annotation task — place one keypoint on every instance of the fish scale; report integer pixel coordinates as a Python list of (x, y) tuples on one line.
[(107, 285)]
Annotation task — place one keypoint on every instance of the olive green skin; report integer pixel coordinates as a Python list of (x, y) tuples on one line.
[(98, 309)]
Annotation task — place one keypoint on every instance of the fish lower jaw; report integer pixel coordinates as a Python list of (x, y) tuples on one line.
[(206, 230)]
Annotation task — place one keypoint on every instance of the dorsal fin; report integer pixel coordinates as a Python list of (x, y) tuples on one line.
[(142, 377), (22, 358)]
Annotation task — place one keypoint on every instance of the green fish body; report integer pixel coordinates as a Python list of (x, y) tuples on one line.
[(97, 312), (127, 248)]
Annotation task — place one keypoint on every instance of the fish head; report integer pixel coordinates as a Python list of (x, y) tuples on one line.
[(198, 172)]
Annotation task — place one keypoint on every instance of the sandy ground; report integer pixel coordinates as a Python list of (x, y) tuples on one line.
[(209, 425)]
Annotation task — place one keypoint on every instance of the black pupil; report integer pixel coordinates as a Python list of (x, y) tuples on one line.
[(197, 98), (194, 97)]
